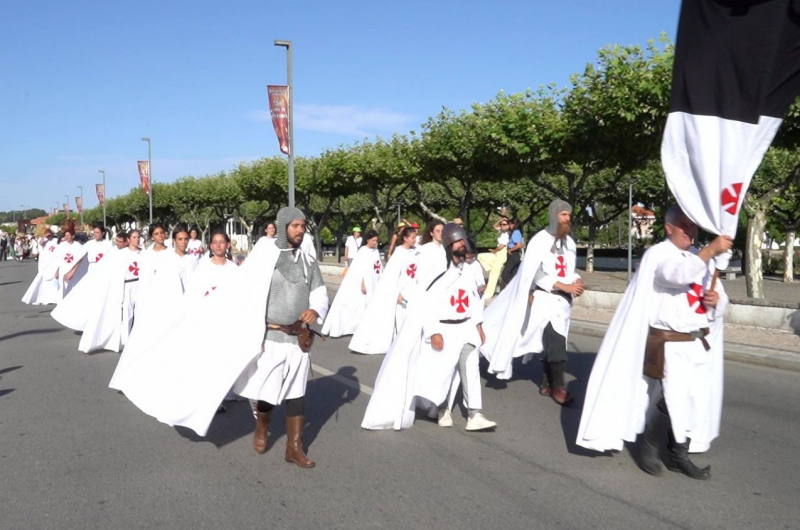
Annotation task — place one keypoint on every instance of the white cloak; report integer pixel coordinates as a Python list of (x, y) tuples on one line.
[(394, 398), (617, 393), (73, 311), (511, 329), (383, 316), (44, 288), (96, 251), (110, 311), (350, 303), (159, 305), (70, 255)]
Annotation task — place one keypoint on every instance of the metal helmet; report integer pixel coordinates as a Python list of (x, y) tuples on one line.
[(452, 233)]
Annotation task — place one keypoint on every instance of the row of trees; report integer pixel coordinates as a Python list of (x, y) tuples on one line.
[(585, 144)]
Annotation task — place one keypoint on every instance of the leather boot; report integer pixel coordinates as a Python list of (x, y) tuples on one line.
[(547, 377), (679, 460), (294, 442), (559, 389), (652, 441), (260, 436)]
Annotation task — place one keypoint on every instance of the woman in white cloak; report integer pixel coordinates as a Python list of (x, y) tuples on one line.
[(65, 269), (44, 287), (386, 311), (110, 316), (183, 376), (195, 247), (159, 299), (356, 290), (432, 260)]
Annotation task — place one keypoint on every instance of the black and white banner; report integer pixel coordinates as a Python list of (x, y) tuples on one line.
[(736, 73)]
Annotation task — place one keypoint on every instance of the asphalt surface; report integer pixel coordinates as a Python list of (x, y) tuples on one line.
[(75, 454)]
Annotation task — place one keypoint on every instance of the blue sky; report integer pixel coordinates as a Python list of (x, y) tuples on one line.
[(84, 81)]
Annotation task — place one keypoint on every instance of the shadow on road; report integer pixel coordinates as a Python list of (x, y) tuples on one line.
[(10, 283), (580, 366), (28, 332), (6, 391), (324, 397), (10, 369)]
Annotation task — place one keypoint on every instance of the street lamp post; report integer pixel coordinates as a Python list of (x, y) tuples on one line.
[(81, 209), (288, 45), (630, 229), (105, 223), (67, 212), (150, 170)]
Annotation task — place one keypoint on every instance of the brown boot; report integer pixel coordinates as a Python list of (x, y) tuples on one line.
[(294, 442), (260, 436)]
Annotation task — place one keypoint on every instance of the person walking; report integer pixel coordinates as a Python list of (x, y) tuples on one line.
[(494, 260)]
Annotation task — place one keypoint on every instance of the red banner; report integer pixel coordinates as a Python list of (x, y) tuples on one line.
[(144, 175), (279, 112), (101, 193), (79, 204)]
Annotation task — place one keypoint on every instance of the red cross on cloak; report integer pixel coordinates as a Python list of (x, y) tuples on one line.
[(377, 267), (411, 271), (134, 268), (460, 301), (69, 258), (561, 267), (695, 298), (209, 291), (98, 258), (730, 198)]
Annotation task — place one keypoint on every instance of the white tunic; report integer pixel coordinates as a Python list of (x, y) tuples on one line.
[(617, 392), (383, 315), (350, 302)]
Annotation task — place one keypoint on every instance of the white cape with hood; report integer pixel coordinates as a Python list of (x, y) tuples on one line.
[(380, 323), (617, 393), (350, 303), (511, 328)]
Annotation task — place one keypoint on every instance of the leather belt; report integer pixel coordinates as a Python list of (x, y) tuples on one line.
[(133, 280), (453, 321), (566, 296), (292, 329), (676, 336)]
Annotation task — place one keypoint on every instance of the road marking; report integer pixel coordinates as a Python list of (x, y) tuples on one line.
[(345, 381)]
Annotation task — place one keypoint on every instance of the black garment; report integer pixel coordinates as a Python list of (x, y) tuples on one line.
[(510, 268), (294, 407), (555, 345)]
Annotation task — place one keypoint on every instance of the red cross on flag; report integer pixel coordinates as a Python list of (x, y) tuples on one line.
[(736, 72), (695, 297), (460, 301)]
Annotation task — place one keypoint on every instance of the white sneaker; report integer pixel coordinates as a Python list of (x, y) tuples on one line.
[(478, 422), (445, 418)]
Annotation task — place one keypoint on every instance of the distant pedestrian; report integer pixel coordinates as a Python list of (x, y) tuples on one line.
[(352, 244)]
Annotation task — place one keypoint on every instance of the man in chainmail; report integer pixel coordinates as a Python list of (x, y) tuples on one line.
[(297, 297), (533, 316)]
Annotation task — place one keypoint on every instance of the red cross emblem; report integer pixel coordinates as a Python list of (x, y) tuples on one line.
[(695, 297), (134, 268), (98, 258), (377, 267), (561, 267), (411, 271), (730, 198), (460, 301), (51, 248), (69, 258), (209, 291)]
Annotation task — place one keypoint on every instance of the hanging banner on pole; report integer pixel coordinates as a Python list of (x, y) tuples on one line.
[(736, 73), (79, 204), (279, 112), (144, 175), (101, 193)]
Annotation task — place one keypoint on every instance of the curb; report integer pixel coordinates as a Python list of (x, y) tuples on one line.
[(772, 358)]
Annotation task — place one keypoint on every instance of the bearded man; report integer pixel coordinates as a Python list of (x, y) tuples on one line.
[(532, 314)]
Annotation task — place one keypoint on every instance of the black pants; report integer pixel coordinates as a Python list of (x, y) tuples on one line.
[(294, 407), (510, 269), (555, 345)]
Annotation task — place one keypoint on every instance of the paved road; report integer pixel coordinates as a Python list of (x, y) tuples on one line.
[(74, 454)]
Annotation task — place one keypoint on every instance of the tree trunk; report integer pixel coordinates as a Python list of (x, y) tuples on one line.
[(754, 277), (590, 245), (788, 257)]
